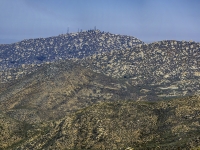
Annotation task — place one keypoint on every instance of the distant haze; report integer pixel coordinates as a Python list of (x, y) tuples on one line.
[(148, 20)]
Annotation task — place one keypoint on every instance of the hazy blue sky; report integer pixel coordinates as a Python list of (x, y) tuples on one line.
[(148, 20)]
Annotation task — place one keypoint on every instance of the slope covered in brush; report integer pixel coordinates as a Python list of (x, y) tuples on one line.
[(163, 125), (59, 88)]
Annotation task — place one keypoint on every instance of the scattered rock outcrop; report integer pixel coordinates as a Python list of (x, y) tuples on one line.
[(172, 67), (65, 46), (167, 68)]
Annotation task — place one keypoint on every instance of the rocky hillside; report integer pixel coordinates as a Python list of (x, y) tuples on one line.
[(56, 89), (170, 67), (127, 125), (96, 90), (167, 68), (65, 46), (8, 128)]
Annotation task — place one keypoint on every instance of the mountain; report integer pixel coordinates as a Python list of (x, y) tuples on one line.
[(170, 68), (97, 90), (65, 46), (172, 124), (56, 89), (167, 68)]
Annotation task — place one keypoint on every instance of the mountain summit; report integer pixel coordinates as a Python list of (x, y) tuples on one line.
[(64, 46)]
